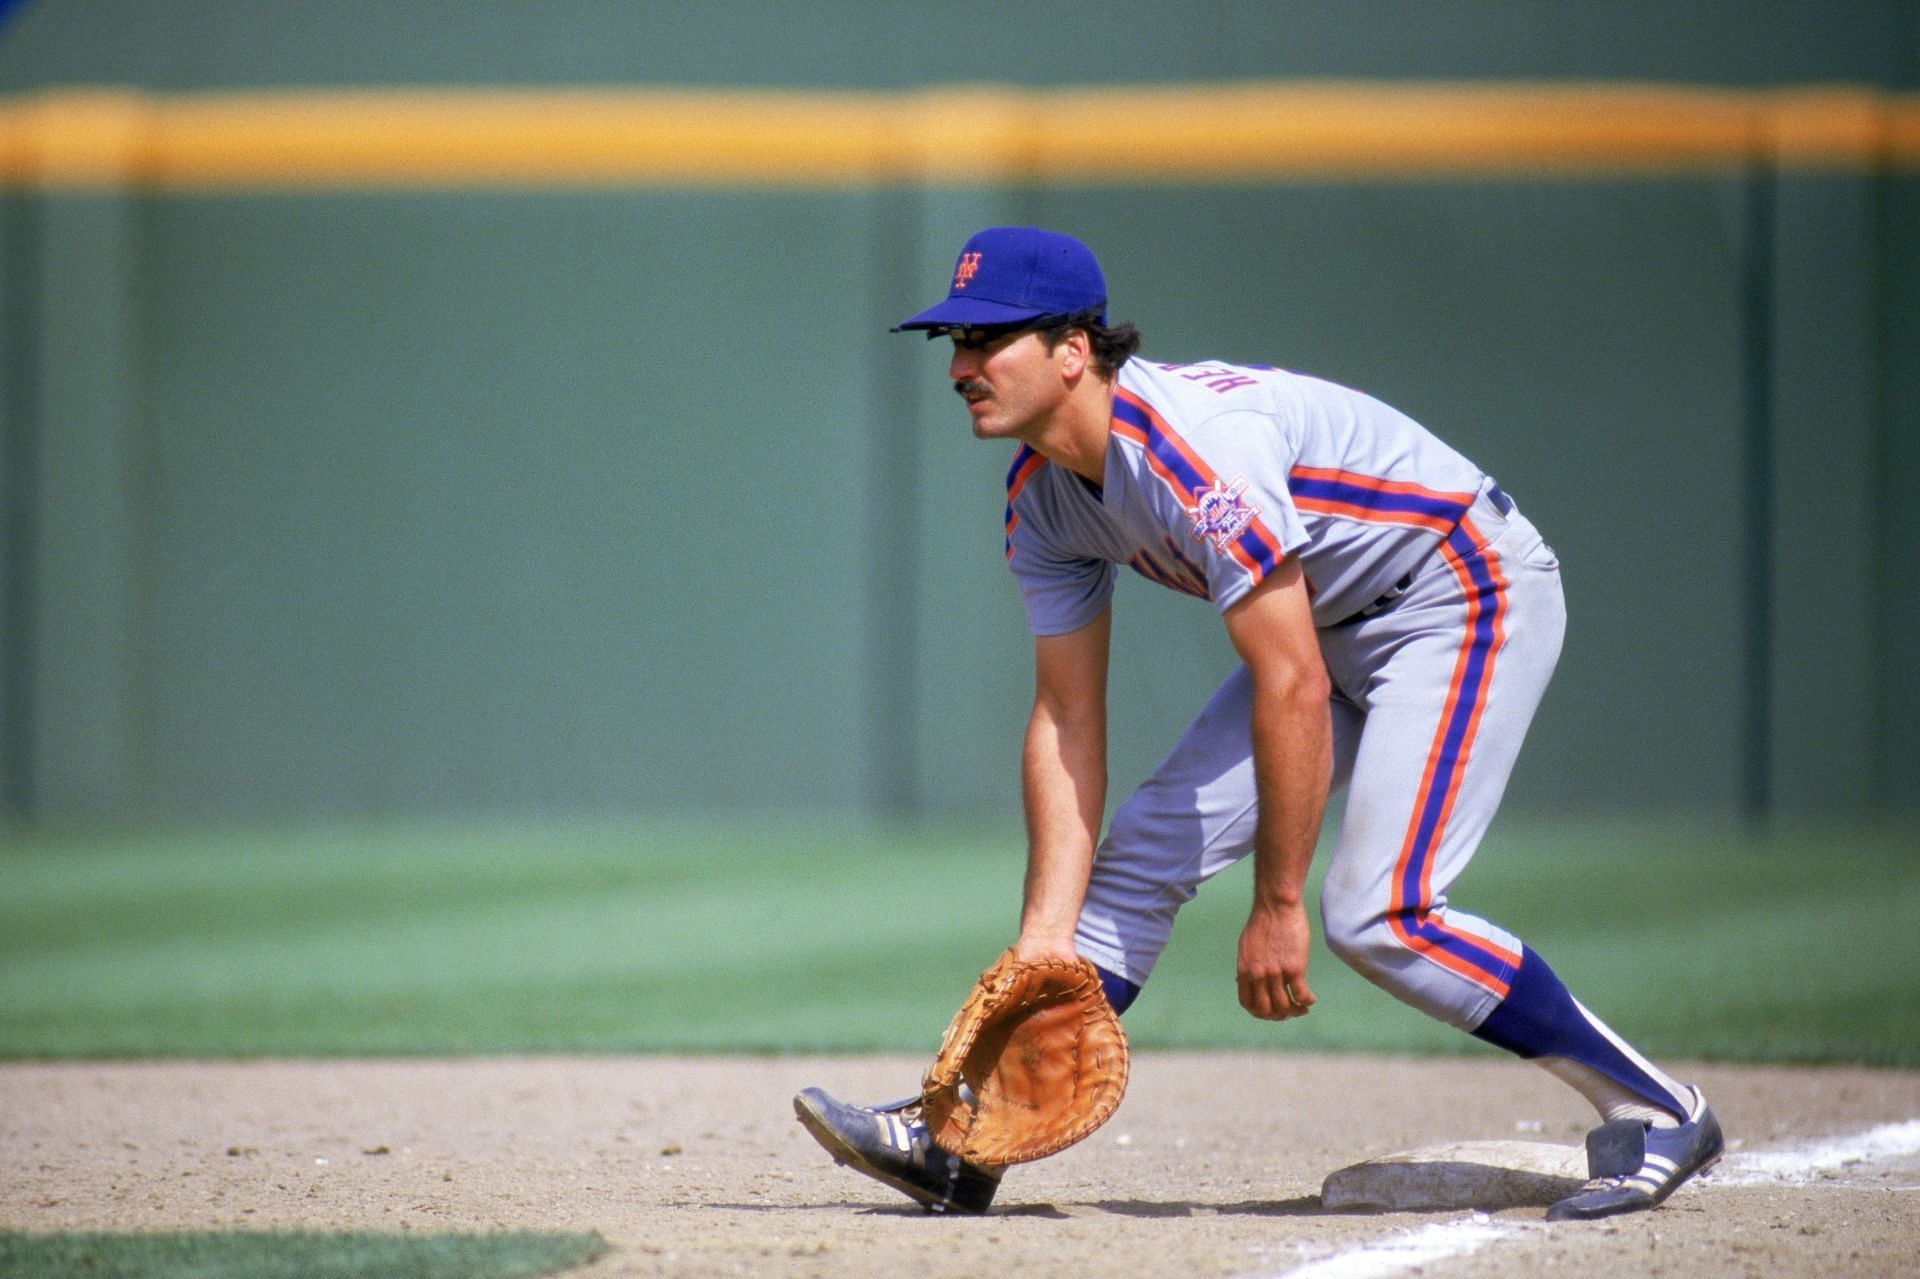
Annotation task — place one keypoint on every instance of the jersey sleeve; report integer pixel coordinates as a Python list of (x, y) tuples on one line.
[(1237, 511), (1062, 590), (1062, 595)]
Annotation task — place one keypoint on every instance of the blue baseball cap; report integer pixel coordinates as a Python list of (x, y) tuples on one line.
[(1014, 275)]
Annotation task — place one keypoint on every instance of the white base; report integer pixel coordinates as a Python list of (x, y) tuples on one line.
[(1488, 1175)]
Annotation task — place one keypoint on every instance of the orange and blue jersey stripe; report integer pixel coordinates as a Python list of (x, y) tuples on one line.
[(1483, 962), (1189, 477), (1026, 464), (1326, 491)]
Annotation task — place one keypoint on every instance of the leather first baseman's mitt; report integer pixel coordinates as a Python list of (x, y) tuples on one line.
[(1034, 1061)]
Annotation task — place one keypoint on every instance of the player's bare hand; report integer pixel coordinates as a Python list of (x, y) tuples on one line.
[(1273, 962)]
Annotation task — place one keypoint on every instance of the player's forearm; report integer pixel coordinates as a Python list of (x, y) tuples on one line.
[(1064, 782), (1293, 762)]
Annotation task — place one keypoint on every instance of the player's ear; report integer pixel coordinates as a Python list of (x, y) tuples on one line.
[(1076, 354)]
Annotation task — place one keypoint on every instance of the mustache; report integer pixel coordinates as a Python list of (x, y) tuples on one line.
[(969, 386)]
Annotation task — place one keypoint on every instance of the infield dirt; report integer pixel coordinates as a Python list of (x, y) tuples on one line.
[(695, 1166)]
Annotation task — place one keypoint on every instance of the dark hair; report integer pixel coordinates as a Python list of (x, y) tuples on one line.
[(1113, 344)]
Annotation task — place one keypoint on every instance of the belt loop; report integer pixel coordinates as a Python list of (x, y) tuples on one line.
[(1399, 589)]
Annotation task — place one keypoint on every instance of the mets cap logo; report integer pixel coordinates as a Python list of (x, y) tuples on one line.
[(969, 266), (1222, 514)]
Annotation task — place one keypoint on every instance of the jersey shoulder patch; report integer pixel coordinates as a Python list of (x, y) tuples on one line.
[(1222, 513)]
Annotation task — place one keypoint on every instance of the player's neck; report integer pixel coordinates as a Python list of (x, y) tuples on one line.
[(1075, 434)]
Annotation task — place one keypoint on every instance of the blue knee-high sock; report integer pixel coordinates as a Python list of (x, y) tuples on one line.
[(1120, 991), (1539, 1018)]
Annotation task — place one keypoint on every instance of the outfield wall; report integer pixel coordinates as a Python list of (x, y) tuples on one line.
[(347, 488)]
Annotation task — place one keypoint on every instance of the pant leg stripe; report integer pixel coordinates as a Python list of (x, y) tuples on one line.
[(1478, 960), (1483, 574)]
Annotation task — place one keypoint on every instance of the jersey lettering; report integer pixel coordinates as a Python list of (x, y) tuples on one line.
[(1176, 571), (1214, 377)]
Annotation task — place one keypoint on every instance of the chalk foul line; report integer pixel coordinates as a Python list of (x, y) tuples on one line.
[(1399, 1253), (1813, 1161), (1807, 1162)]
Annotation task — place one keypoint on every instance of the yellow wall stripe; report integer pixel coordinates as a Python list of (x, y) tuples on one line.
[(413, 139)]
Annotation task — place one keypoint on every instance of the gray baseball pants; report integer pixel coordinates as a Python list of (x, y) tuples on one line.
[(1432, 698)]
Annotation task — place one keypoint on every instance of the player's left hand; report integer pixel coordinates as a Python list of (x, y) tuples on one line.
[(1273, 962)]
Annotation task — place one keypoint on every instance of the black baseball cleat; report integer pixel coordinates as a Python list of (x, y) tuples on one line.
[(1634, 1166), (891, 1145)]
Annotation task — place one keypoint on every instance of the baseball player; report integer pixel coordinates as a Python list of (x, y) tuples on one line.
[(1396, 618)]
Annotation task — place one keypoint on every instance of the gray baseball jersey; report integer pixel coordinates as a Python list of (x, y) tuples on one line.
[(1440, 616), (1216, 472)]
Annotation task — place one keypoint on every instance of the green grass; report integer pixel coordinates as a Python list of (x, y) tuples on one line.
[(657, 937), (269, 1255)]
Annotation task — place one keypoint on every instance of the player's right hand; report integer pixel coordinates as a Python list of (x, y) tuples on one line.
[(1273, 962)]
